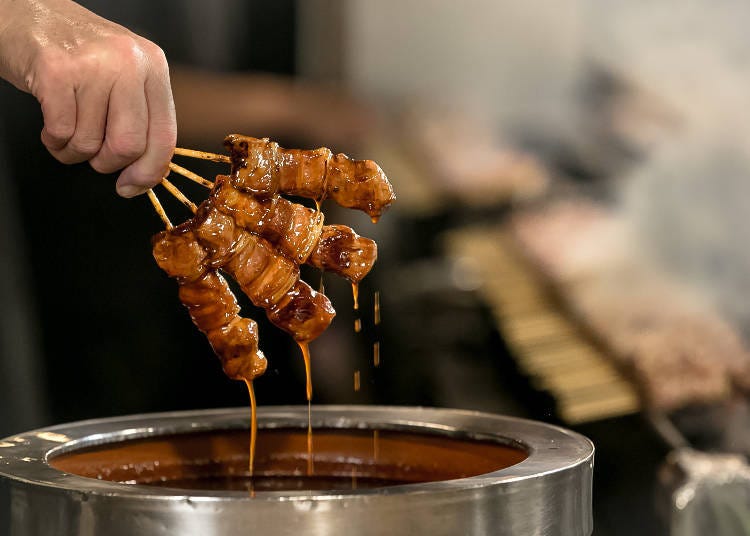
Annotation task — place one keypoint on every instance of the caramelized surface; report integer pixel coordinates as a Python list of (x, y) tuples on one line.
[(263, 168), (246, 229)]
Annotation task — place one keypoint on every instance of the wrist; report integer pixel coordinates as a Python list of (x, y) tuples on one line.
[(15, 50)]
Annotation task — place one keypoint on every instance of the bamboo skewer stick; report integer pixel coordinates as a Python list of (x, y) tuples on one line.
[(172, 189), (190, 175), (159, 209), (203, 155)]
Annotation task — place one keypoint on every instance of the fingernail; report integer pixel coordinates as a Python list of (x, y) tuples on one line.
[(130, 190)]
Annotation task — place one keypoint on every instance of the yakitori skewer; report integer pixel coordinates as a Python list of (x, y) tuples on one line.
[(159, 209), (202, 155), (172, 189), (249, 231), (190, 175)]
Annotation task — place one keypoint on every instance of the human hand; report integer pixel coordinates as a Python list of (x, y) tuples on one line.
[(104, 91)]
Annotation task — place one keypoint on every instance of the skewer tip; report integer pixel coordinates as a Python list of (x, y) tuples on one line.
[(159, 209)]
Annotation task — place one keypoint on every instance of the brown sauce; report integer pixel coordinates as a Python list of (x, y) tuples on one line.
[(310, 461), (308, 373), (253, 425), (343, 458), (376, 354), (308, 391)]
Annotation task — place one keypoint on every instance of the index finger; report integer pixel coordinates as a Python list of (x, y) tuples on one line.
[(151, 167)]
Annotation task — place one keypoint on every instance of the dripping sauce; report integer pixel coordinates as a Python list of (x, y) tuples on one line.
[(308, 391), (253, 425)]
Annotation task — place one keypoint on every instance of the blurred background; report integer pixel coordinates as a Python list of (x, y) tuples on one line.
[(569, 242)]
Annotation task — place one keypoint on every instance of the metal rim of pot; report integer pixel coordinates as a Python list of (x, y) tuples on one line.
[(553, 482)]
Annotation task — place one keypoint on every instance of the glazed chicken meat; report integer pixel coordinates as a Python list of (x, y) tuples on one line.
[(248, 231)]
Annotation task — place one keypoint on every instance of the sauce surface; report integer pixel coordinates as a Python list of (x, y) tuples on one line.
[(344, 459)]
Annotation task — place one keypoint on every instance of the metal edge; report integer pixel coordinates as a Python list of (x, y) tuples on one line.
[(569, 449)]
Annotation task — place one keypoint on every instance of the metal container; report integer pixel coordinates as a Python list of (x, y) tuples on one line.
[(546, 494)]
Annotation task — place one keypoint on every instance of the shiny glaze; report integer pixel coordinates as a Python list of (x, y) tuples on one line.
[(261, 167), (248, 230), (303, 312), (342, 251)]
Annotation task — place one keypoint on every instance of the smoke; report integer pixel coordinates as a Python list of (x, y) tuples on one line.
[(690, 206), (689, 197), (523, 66)]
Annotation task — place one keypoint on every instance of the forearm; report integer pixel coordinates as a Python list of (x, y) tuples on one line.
[(32, 28), (16, 40)]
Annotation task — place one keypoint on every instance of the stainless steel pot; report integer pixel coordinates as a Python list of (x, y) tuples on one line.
[(546, 494)]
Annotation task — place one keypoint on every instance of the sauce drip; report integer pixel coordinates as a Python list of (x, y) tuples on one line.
[(310, 465), (356, 381), (376, 354), (308, 376), (355, 294), (308, 392), (357, 325), (376, 308), (253, 424)]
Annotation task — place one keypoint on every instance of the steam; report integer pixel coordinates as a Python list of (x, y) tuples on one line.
[(690, 205)]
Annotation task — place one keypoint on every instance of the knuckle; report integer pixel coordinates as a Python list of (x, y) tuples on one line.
[(123, 46), (156, 58), (126, 42), (101, 166), (59, 131), (155, 52), (141, 177), (127, 147), (121, 53), (94, 62), (85, 146), (134, 49), (66, 157)]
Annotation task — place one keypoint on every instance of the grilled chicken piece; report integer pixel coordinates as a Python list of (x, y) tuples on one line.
[(211, 240), (264, 275), (302, 312), (214, 310), (178, 253), (292, 228), (342, 251), (261, 167)]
